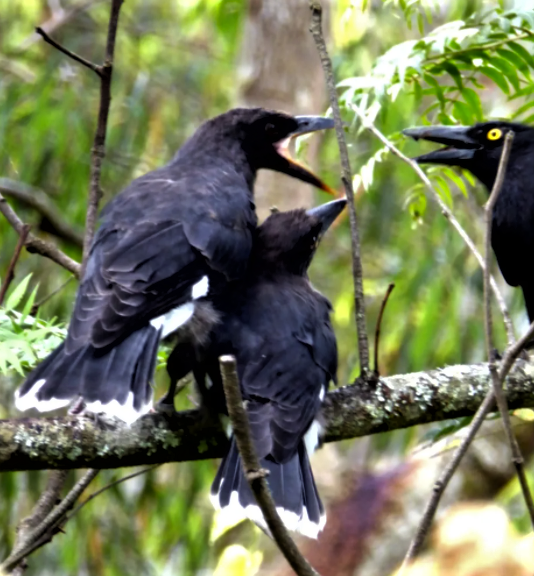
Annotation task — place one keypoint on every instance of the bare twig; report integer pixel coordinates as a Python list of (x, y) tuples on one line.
[(44, 299), (94, 67), (37, 245), (39, 201), (253, 472), (10, 274), (108, 486), (98, 149), (502, 404), (441, 484), (379, 324), (446, 212), (43, 506), (48, 527), (357, 271), (56, 21)]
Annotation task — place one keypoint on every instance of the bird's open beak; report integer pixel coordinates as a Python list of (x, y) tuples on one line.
[(458, 144), (293, 167), (327, 213)]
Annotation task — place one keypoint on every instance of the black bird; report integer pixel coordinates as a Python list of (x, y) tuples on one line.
[(478, 149), (164, 245), (278, 327)]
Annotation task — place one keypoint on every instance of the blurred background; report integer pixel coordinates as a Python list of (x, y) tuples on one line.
[(404, 62)]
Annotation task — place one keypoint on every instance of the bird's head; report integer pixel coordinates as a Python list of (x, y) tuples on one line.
[(288, 240), (264, 137), (476, 148)]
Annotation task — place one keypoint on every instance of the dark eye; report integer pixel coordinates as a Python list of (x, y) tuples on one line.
[(494, 134), (271, 131)]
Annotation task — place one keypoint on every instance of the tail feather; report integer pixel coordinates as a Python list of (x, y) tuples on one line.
[(116, 382), (292, 487)]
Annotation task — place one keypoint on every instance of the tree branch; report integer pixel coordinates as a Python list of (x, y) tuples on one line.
[(10, 274), (94, 67), (254, 474), (346, 177), (98, 150), (39, 201), (36, 245), (48, 527), (487, 405), (353, 411), (47, 500)]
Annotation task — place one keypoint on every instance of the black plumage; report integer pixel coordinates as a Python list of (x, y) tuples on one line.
[(478, 149), (278, 327), (164, 246)]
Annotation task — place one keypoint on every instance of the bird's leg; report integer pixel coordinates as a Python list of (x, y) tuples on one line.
[(77, 407), (179, 364), (166, 403)]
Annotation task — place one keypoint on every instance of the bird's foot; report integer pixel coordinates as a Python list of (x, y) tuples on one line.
[(165, 406)]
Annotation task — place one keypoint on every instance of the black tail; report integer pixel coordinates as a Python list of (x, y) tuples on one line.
[(116, 382), (292, 486)]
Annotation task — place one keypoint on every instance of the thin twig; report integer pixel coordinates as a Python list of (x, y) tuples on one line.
[(108, 486), (37, 305), (448, 215), (10, 274), (47, 500), (56, 21), (346, 177), (379, 324), (37, 245), (94, 67), (47, 528), (253, 471), (441, 484), (98, 150), (477, 48), (500, 397), (40, 202)]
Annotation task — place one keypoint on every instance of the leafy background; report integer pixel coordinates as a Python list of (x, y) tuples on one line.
[(403, 62)]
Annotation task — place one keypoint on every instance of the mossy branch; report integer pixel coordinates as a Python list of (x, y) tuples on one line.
[(349, 412)]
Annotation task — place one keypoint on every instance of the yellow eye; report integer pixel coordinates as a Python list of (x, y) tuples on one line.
[(494, 134)]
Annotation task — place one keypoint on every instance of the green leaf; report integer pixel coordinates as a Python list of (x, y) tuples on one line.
[(472, 99), (496, 76), (18, 293), (469, 177), (523, 53), (507, 69), (452, 175), (527, 106), (462, 112), (515, 60), (29, 304), (454, 73)]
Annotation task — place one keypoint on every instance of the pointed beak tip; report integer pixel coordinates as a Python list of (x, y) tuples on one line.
[(308, 124)]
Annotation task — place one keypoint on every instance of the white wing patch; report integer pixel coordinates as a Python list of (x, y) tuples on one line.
[(125, 412), (173, 319), (30, 400), (201, 288), (311, 438)]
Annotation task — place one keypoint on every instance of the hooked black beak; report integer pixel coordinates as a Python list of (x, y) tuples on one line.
[(327, 213), (292, 167), (459, 145)]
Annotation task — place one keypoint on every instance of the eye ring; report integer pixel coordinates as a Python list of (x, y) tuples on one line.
[(494, 134)]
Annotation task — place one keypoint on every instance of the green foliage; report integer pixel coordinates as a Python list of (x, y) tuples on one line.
[(25, 339), (404, 62)]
